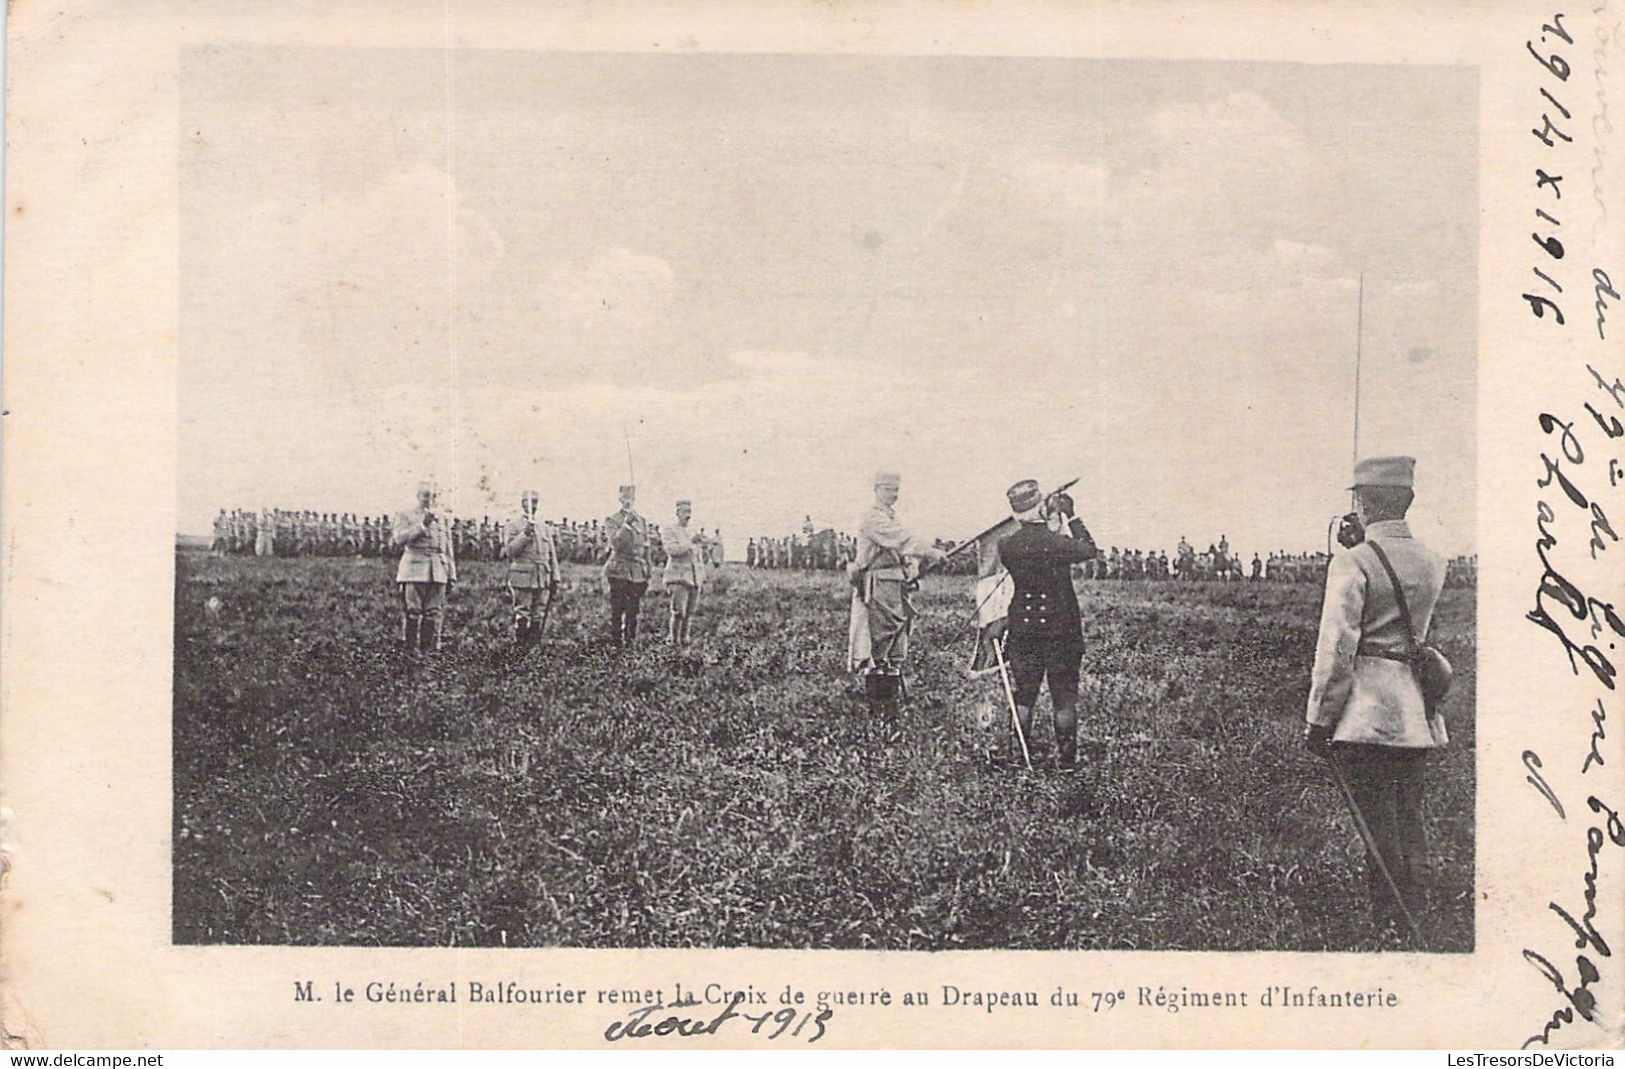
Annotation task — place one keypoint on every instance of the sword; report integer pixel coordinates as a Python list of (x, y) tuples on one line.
[(547, 609), (1371, 846), (1010, 696)]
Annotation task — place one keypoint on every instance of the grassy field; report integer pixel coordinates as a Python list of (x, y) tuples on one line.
[(330, 790)]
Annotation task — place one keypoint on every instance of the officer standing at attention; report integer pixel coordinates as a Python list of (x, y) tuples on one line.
[(885, 568), (685, 570), (428, 567), (1366, 712), (627, 568), (1045, 628), (533, 568)]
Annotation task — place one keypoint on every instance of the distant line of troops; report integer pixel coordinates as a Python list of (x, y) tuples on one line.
[(305, 533), (822, 551)]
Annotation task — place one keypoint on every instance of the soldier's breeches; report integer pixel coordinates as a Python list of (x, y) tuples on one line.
[(1386, 782), (683, 598), (888, 610), (527, 603), (1033, 660), (625, 596), (424, 601)]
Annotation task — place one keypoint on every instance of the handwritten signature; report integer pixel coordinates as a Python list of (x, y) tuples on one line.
[(638, 1024), (1567, 472)]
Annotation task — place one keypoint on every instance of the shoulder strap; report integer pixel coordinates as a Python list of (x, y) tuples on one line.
[(1399, 593)]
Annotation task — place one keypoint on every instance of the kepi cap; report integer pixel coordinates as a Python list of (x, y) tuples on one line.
[(684, 501), (628, 488), (1024, 496), (887, 477), (1393, 471)]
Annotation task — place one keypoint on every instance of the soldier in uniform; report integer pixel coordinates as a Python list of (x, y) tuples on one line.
[(1258, 567), (1366, 712), (882, 574), (533, 568), (1045, 628), (685, 571), (428, 567), (627, 567), (265, 534)]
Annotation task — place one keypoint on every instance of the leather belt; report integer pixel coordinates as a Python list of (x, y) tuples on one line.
[(1386, 655)]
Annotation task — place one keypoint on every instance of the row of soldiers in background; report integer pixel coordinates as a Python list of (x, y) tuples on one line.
[(299, 533), (814, 551), (305, 533), (529, 544)]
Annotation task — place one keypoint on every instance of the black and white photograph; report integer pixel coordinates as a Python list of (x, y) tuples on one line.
[(824, 502)]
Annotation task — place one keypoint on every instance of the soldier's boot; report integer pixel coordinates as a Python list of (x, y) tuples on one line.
[(687, 621), (409, 633), (674, 630), (431, 636), (1066, 737), (881, 684), (521, 631)]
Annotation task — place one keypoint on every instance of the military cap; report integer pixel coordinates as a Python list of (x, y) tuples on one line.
[(628, 488), (1385, 471), (1024, 496), (684, 501), (887, 477)]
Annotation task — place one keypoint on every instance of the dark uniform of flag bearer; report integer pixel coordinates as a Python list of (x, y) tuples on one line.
[(1044, 633), (1366, 711), (627, 568), (533, 567), (428, 566)]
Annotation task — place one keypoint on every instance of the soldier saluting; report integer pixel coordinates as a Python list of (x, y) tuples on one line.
[(1044, 631), (533, 568), (1366, 710), (428, 567), (686, 562), (627, 567)]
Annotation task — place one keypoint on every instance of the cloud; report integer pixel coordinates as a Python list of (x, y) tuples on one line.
[(374, 278), (617, 291), (1227, 195)]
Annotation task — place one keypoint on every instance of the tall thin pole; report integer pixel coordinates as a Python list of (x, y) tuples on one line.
[(631, 472), (1359, 330)]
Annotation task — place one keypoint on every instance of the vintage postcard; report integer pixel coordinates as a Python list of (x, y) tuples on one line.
[(813, 525)]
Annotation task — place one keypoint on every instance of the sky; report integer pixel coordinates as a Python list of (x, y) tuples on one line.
[(763, 277)]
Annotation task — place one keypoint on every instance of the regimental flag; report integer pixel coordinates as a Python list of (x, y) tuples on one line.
[(993, 593)]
